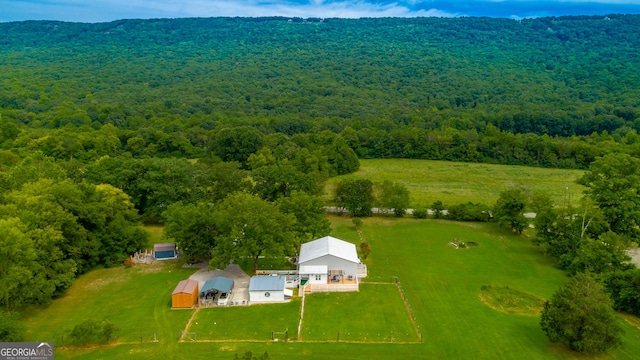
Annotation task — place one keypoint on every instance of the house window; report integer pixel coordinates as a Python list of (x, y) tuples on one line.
[(318, 277)]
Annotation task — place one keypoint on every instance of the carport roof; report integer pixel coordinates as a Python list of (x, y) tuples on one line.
[(219, 283)]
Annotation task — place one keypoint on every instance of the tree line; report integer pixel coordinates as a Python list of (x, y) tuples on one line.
[(53, 229), (589, 241)]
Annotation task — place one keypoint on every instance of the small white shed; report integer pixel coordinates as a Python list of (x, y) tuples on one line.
[(266, 289)]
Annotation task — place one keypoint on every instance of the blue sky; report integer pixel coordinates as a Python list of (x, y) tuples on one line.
[(109, 10)]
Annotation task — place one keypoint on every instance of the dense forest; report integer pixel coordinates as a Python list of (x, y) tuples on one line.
[(225, 129), (553, 92)]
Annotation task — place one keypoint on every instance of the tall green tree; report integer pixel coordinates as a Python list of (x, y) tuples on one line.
[(252, 227), (114, 222), (393, 196), (342, 158), (17, 261), (193, 227), (605, 254), (580, 316), (311, 216), (356, 196), (509, 209), (272, 182), (8, 131), (237, 143), (624, 288), (32, 168), (437, 207), (613, 182)]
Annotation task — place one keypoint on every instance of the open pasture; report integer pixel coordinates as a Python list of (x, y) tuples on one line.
[(442, 285), (457, 182)]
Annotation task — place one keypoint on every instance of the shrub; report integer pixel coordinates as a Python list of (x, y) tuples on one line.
[(365, 250), (420, 213), (11, 330), (357, 222), (91, 331), (469, 212)]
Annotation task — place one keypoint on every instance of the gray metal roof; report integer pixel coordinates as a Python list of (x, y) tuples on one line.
[(267, 283), (328, 246)]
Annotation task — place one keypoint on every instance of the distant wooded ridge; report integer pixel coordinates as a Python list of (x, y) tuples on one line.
[(553, 91)]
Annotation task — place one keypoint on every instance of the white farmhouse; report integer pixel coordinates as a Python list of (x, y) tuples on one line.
[(329, 264)]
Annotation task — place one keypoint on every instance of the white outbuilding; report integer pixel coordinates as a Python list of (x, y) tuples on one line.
[(267, 289)]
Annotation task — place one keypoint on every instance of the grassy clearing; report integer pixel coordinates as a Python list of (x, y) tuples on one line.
[(509, 300), (254, 322), (136, 299), (441, 284), (375, 314), (155, 232), (456, 183)]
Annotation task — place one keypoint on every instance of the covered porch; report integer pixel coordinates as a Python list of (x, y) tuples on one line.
[(328, 281), (339, 277)]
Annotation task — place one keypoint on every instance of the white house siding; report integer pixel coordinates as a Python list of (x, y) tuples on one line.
[(259, 297), (334, 263), (313, 280)]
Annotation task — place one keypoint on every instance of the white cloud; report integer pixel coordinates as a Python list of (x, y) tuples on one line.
[(107, 10), (313, 8)]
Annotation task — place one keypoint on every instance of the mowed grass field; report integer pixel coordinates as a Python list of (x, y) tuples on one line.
[(376, 313), (442, 286), (255, 322), (456, 182)]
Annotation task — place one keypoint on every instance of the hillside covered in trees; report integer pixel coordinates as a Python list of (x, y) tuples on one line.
[(553, 92)]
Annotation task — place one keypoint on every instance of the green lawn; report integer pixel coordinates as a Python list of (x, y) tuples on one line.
[(155, 232), (456, 182), (136, 299), (442, 285), (375, 314), (247, 322)]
